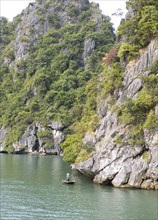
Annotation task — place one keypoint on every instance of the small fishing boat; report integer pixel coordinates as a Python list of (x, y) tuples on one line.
[(68, 181)]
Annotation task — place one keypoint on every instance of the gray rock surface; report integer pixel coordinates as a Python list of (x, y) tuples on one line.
[(89, 45), (3, 136), (56, 126)]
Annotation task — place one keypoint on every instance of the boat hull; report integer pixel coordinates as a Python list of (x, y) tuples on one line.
[(68, 182)]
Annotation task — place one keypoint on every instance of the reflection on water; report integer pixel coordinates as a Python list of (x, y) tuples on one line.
[(31, 188)]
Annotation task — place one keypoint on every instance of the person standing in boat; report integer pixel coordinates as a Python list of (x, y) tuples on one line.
[(68, 176)]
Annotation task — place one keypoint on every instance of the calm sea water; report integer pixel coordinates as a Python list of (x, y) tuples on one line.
[(31, 188)]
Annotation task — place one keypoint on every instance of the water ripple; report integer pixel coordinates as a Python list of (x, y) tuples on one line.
[(31, 189)]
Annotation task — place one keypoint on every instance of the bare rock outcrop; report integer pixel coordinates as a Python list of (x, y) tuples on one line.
[(3, 136), (31, 141)]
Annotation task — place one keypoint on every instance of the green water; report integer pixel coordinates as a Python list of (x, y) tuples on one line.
[(31, 188)]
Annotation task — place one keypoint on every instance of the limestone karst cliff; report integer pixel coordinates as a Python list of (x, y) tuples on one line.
[(116, 160)]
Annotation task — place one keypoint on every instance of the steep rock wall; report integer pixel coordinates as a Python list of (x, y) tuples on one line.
[(122, 164)]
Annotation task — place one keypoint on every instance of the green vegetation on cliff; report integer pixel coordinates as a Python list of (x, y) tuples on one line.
[(141, 26)]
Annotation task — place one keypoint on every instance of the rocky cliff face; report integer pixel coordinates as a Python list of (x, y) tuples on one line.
[(118, 162), (41, 16), (32, 142)]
